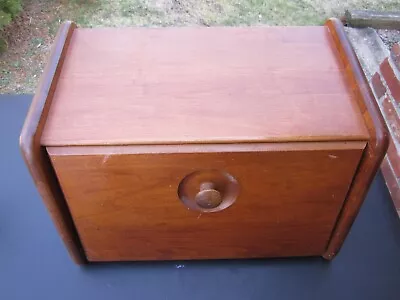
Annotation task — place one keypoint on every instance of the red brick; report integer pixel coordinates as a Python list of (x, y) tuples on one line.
[(391, 79), (394, 158), (378, 86), (391, 182), (392, 118), (395, 53)]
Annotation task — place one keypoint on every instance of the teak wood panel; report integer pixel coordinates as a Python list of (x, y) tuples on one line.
[(379, 135), (202, 85), (346, 61), (125, 206), (35, 156)]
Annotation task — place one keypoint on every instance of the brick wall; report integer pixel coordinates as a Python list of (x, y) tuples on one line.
[(386, 86)]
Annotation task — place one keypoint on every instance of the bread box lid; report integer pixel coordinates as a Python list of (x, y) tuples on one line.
[(202, 85)]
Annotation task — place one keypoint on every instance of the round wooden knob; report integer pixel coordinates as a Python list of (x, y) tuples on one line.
[(208, 191), (208, 197)]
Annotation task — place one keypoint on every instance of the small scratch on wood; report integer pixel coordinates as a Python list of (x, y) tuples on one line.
[(106, 157), (198, 217), (333, 156)]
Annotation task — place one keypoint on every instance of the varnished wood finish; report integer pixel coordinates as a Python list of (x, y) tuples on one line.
[(35, 155), (200, 148), (286, 111), (377, 145), (125, 206), (201, 85)]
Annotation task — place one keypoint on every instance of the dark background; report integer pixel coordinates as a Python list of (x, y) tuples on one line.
[(35, 265)]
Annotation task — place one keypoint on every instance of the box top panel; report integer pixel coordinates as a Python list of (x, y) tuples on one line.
[(202, 85)]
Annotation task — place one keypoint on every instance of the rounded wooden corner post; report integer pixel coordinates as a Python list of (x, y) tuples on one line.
[(376, 147), (35, 155)]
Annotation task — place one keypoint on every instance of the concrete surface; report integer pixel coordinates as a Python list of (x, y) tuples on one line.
[(370, 49)]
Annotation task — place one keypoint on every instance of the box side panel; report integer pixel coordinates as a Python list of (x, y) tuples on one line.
[(35, 154), (379, 135)]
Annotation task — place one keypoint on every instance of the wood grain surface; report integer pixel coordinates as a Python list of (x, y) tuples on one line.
[(285, 110), (200, 148), (125, 206), (35, 155), (379, 136), (202, 85)]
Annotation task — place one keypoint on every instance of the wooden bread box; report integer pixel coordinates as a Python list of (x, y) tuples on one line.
[(203, 143)]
